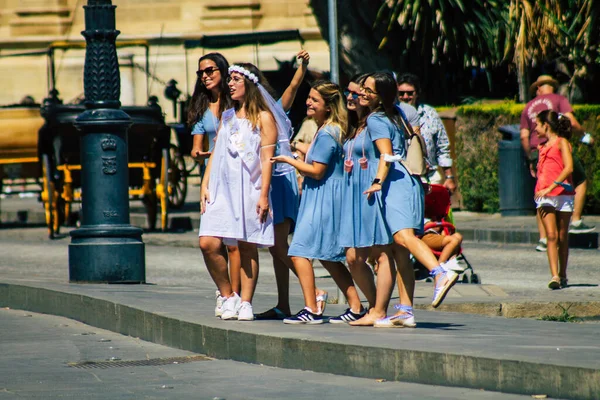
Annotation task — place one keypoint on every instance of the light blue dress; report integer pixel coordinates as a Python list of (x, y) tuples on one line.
[(402, 194), (319, 217), (208, 124), (285, 198), (363, 223)]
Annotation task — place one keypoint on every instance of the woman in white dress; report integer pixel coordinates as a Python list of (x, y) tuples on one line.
[(234, 197)]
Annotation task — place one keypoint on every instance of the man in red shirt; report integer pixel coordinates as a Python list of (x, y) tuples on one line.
[(546, 99)]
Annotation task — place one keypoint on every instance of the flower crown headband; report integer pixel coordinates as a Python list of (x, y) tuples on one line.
[(243, 71)]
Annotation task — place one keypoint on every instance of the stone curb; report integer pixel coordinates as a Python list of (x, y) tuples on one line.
[(527, 309), (431, 368)]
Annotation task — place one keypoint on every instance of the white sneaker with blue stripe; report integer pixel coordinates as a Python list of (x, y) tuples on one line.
[(347, 316)]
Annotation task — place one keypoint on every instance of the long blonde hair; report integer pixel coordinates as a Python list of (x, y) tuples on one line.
[(334, 99)]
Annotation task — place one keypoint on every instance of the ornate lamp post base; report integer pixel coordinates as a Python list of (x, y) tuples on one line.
[(106, 249), (112, 254), (107, 255)]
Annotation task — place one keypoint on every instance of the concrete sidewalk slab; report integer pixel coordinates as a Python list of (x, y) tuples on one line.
[(507, 355), (478, 227)]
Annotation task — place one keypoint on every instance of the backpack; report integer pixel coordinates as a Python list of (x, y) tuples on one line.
[(416, 150)]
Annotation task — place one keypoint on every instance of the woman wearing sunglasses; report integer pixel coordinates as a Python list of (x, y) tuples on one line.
[(209, 100), (363, 230), (403, 199), (318, 224)]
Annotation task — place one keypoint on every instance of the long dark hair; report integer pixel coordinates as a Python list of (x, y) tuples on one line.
[(559, 123), (387, 92), (353, 118), (253, 99), (201, 97)]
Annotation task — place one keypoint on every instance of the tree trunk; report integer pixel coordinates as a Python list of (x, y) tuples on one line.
[(523, 81), (357, 38)]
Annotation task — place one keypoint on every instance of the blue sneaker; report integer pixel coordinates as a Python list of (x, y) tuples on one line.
[(304, 317), (347, 316)]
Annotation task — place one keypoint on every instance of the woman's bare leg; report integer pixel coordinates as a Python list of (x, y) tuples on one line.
[(249, 269), (362, 273), (385, 285), (306, 276), (216, 263), (235, 265), (343, 280)]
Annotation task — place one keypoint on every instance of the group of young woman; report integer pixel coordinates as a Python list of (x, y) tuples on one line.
[(358, 199)]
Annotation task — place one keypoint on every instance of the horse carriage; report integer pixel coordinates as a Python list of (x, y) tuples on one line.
[(44, 144), (40, 145)]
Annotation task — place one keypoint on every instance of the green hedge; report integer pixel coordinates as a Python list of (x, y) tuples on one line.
[(476, 149)]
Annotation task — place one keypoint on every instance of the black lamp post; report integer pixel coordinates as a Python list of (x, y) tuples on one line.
[(106, 248)]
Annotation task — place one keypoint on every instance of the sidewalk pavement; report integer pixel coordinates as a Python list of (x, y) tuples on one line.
[(476, 348), (477, 227)]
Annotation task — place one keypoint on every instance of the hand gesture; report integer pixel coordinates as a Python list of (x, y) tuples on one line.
[(199, 155), (280, 159), (303, 57), (373, 189), (538, 195), (450, 185), (262, 209), (204, 198)]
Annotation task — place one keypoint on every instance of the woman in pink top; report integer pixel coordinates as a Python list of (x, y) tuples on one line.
[(554, 192)]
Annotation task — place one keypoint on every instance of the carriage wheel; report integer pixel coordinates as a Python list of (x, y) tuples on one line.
[(177, 178), (48, 195), (163, 193)]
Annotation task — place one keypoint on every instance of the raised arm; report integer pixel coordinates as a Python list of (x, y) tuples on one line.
[(268, 141), (290, 92)]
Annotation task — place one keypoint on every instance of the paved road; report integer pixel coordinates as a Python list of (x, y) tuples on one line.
[(37, 349)]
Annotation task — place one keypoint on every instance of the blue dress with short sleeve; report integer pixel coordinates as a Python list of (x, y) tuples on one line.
[(363, 223), (319, 217), (402, 194), (284, 196), (208, 124)]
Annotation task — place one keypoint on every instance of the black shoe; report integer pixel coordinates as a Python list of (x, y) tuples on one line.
[(304, 317), (347, 316), (272, 314)]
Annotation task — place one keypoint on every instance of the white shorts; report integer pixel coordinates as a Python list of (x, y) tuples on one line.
[(562, 203)]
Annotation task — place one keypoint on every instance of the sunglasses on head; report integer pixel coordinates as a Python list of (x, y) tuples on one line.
[(208, 71), (350, 92), (409, 93)]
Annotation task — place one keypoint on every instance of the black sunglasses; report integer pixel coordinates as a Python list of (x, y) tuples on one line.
[(208, 71), (354, 94), (410, 93)]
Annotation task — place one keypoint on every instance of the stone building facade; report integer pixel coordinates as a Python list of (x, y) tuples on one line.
[(30, 26)]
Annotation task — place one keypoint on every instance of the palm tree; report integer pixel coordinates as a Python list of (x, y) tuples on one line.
[(538, 31), (444, 30)]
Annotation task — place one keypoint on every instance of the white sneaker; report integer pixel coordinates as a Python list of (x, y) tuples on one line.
[(231, 307), (220, 302), (245, 313), (406, 320), (453, 265)]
